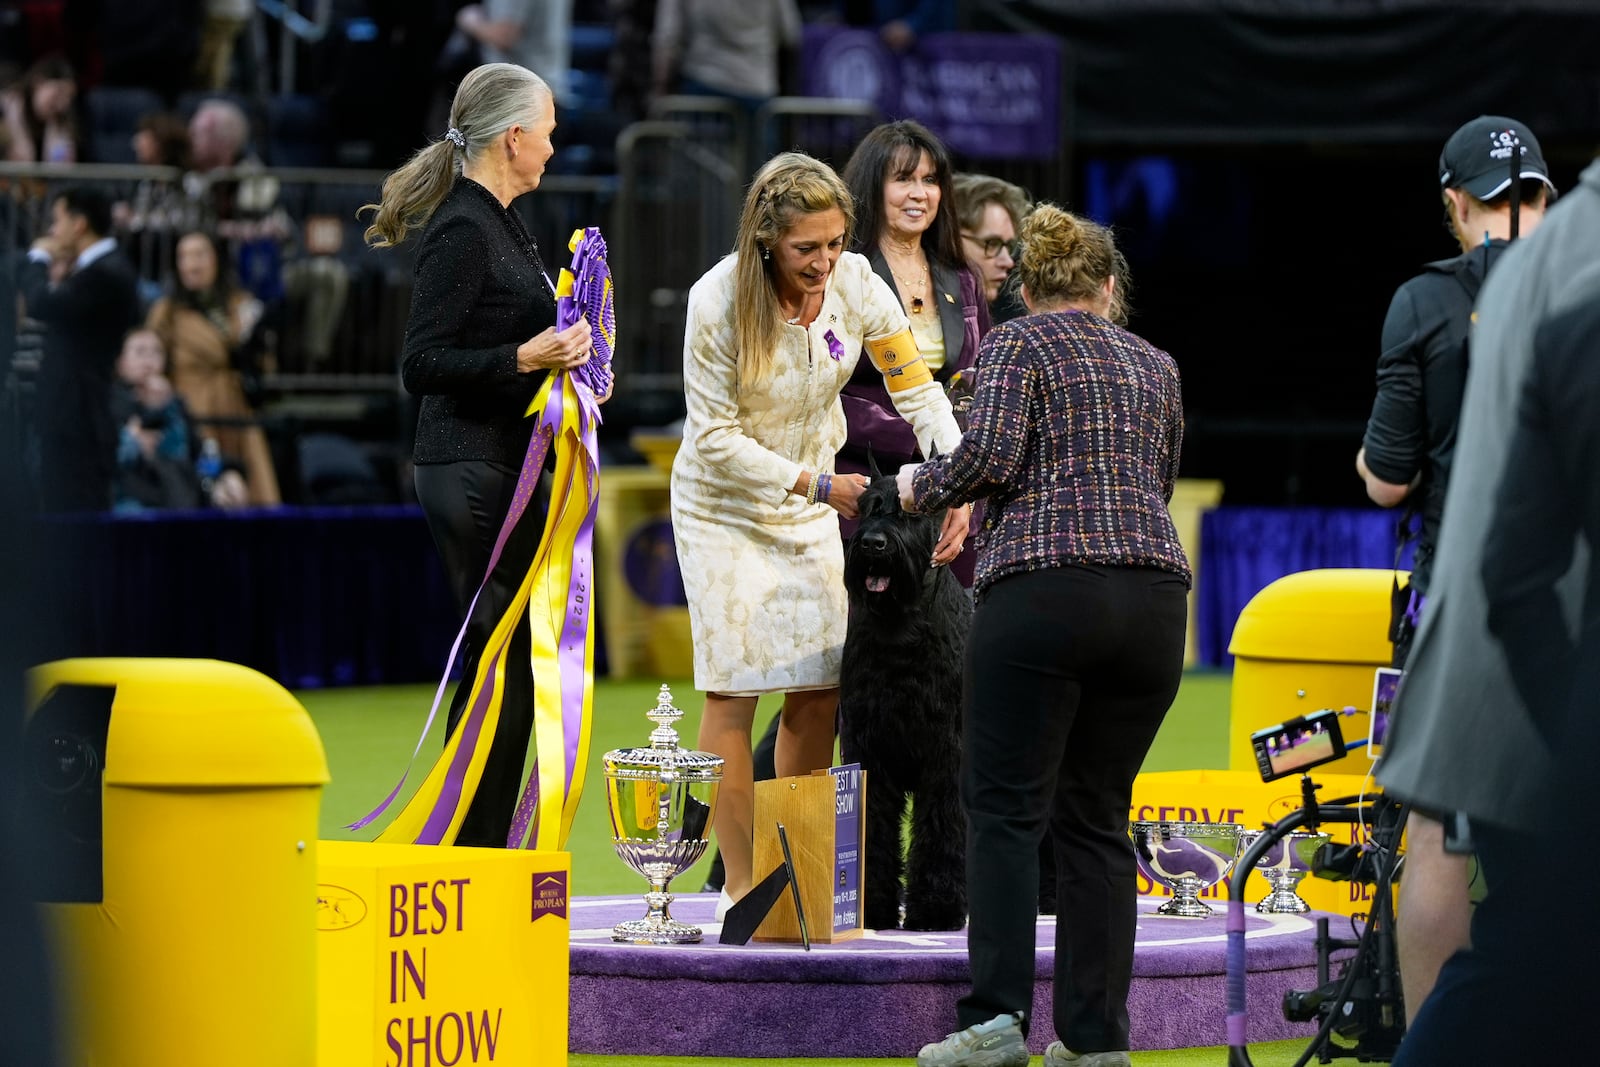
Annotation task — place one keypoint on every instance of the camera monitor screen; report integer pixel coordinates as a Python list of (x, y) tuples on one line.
[(1385, 684), (1297, 744)]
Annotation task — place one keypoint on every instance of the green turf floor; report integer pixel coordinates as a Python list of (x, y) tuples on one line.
[(369, 734)]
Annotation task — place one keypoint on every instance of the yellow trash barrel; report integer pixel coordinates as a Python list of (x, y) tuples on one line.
[(182, 906), (1307, 641)]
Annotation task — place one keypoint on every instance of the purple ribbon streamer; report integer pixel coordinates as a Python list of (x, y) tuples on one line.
[(835, 346), (532, 465), (573, 642)]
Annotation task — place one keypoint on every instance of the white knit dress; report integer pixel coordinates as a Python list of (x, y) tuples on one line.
[(762, 569)]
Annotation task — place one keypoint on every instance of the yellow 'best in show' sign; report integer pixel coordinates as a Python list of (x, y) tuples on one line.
[(439, 957)]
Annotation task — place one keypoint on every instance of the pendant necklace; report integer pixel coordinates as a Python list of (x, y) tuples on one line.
[(911, 287)]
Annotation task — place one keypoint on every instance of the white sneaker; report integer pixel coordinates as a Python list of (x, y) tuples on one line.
[(996, 1043), (724, 902), (1058, 1056)]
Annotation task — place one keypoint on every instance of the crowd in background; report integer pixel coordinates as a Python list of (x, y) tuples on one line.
[(199, 87)]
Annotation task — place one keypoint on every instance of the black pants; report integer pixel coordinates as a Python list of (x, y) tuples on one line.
[(1069, 673), (1523, 990), (465, 503)]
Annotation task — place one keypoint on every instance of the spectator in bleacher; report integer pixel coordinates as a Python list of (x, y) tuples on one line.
[(207, 324), (990, 211), (219, 32), (536, 34), (156, 452), (85, 293), (899, 177), (161, 140), (219, 133), (244, 205), (726, 48), (480, 341), (41, 114)]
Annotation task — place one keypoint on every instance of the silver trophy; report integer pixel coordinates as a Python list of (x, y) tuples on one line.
[(1284, 864), (1186, 857), (661, 800)]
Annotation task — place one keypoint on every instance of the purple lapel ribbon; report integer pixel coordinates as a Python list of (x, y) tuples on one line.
[(835, 346)]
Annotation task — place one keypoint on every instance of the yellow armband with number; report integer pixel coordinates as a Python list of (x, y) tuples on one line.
[(897, 358)]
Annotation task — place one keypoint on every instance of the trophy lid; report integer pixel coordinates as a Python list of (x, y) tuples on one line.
[(664, 754)]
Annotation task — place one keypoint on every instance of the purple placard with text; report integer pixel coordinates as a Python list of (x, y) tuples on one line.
[(549, 895), (987, 95), (848, 813)]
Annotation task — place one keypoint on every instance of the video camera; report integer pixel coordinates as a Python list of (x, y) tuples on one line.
[(1362, 1003)]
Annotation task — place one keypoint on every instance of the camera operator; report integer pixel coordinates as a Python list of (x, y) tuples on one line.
[(1461, 738), (1406, 456)]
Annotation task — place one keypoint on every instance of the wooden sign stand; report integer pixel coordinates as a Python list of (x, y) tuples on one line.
[(823, 813)]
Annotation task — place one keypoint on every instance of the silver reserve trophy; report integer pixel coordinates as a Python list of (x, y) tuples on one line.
[(1283, 866), (1186, 857), (661, 800)]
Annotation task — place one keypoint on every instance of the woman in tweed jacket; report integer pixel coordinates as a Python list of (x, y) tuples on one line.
[(1076, 647)]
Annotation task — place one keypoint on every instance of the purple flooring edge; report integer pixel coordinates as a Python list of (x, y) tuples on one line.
[(887, 994)]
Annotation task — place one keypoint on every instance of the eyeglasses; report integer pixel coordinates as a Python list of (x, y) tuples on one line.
[(991, 246)]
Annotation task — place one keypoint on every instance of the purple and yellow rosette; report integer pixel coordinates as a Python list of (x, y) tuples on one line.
[(558, 593)]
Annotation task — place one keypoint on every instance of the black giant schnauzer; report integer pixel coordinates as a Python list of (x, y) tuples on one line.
[(900, 711)]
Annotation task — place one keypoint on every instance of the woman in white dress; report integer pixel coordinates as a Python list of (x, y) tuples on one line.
[(774, 332)]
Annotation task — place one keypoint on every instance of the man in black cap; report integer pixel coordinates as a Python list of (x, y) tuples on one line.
[(1494, 184)]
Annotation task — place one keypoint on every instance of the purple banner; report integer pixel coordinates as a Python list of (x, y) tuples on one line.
[(848, 814), (987, 95)]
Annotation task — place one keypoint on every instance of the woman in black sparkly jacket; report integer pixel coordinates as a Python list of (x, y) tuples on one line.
[(1076, 645), (479, 342)]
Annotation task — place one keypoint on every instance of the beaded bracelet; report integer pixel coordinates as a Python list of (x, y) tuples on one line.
[(811, 489)]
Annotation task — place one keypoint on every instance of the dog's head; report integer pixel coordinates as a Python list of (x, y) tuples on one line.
[(886, 561)]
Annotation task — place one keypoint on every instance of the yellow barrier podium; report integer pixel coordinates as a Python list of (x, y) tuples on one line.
[(1191, 498), (1237, 796), (434, 956), (642, 608), (1308, 641), (179, 799)]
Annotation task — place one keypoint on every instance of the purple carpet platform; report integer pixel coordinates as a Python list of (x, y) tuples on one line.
[(887, 994)]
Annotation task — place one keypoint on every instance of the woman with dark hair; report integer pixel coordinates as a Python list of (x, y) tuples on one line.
[(206, 324), (900, 179), (41, 114), (1076, 645), (479, 343), (161, 139)]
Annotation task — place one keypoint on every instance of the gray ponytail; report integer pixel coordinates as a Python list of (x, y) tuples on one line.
[(490, 100)]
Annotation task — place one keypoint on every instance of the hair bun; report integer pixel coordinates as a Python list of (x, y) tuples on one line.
[(1067, 258), (1049, 233)]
